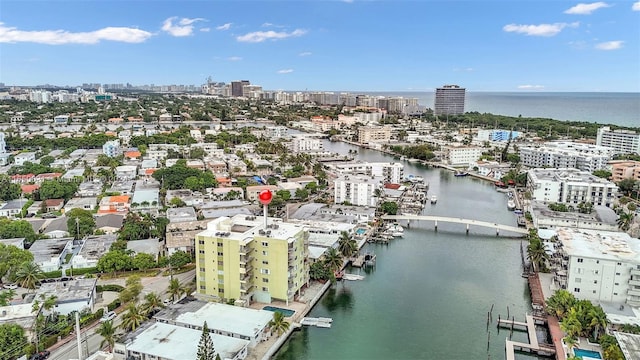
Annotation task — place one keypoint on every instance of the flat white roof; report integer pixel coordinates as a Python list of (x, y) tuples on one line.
[(228, 318), (597, 244), (246, 227), (178, 343)]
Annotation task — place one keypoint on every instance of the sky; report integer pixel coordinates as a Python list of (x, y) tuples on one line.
[(352, 45)]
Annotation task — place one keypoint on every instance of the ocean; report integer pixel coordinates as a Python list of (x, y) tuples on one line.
[(622, 109)]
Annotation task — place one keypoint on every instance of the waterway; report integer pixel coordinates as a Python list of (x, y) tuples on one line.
[(430, 292)]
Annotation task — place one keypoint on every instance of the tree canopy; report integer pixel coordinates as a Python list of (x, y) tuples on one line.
[(11, 258), (176, 176), (10, 229)]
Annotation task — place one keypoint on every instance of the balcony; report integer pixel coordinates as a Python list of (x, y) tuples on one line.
[(245, 278), (244, 288), (246, 269), (246, 259), (634, 282), (634, 292), (635, 272)]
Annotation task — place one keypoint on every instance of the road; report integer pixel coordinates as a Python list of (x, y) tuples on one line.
[(90, 340)]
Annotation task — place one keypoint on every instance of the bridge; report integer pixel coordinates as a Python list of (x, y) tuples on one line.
[(468, 222)]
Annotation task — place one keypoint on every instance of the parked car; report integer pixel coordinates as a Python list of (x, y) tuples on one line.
[(10, 286), (40, 356), (108, 316), (166, 302)]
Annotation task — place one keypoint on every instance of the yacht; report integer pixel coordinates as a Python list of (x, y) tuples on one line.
[(415, 178), (394, 230), (461, 173), (434, 199), (511, 205)]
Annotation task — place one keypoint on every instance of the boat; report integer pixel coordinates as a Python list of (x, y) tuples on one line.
[(511, 204), (461, 173), (394, 230), (352, 277), (518, 211), (500, 184), (434, 199), (415, 178)]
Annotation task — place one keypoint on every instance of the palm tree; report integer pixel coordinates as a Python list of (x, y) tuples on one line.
[(132, 319), (624, 220), (108, 332), (560, 303), (28, 275), (347, 245), (278, 323), (152, 302), (537, 254), (175, 289), (598, 320), (570, 341), (333, 259)]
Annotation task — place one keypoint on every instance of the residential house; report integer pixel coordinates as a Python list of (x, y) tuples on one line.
[(84, 203), (181, 214), (92, 248), (72, 295), (109, 223), (126, 172), (49, 254), (114, 204), (181, 235), (152, 247), (24, 157), (56, 228), (53, 204), (12, 208)]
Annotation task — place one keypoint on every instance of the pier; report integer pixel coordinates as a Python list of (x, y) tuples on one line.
[(534, 345), (467, 222), (318, 322)]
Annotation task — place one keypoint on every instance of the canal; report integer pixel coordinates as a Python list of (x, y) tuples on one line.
[(430, 293)]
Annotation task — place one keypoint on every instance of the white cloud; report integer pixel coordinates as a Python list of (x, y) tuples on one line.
[(184, 27), (539, 30), (636, 6), (205, 29), (610, 45), (60, 37), (226, 26), (530, 87), (234, 58), (586, 9), (285, 71), (260, 36), (305, 53), (267, 24)]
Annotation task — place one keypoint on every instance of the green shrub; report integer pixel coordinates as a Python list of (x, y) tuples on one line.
[(109, 287), (114, 305), (91, 270), (52, 274)]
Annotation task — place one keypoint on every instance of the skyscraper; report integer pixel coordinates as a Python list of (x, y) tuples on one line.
[(237, 87), (449, 100)]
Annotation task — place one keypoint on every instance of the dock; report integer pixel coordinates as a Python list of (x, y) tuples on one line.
[(358, 261), (534, 346), (318, 322)]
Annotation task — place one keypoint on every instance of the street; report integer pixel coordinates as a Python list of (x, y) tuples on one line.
[(90, 340)]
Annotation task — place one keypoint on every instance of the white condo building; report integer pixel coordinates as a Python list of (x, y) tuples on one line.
[(600, 266), (621, 141), (463, 155), (566, 154), (112, 148), (389, 172), (357, 190), (367, 134), (570, 186), (306, 144)]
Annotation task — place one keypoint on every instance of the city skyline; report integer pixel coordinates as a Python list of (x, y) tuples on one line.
[(326, 45)]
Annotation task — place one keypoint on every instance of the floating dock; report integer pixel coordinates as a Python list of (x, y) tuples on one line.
[(318, 322), (534, 346)]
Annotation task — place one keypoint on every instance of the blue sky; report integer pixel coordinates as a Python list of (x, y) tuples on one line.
[(325, 45)]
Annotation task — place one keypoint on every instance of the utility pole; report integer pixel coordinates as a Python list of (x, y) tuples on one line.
[(78, 336)]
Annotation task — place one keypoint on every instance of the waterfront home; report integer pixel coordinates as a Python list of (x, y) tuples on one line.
[(357, 190), (462, 155), (570, 186)]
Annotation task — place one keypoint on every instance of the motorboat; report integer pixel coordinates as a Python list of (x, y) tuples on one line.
[(415, 178), (461, 173), (511, 205), (394, 230), (434, 199)]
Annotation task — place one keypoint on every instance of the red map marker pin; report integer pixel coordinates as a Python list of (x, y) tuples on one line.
[(265, 197)]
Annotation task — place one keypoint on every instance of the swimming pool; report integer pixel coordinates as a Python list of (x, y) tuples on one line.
[(586, 354), (361, 231), (285, 312)]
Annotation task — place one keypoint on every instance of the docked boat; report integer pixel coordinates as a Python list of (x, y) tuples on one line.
[(394, 230), (434, 199), (461, 173), (415, 178), (511, 205), (518, 211)]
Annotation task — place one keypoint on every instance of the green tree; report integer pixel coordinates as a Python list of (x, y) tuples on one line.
[(143, 261), (537, 254), (113, 261), (598, 320), (8, 190), (560, 303), (28, 275), (278, 323), (54, 189), (605, 174), (11, 257), (389, 207), (302, 194), (347, 245), (624, 220), (626, 186), (132, 290), (10, 229), (179, 259), (108, 333), (333, 259), (12, 341), (152, 301), (205, 347), (133, 317), (320, 271), (6, 296), (85, 224), (284, 194), (174, 289)]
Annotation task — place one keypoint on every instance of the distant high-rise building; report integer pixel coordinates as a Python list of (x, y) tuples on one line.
[(622, 141), (237, 87), (449, 100)]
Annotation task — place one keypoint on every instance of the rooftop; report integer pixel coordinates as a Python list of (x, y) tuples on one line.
[(69, 291), (177, 343), (44, 249), (96, 245), (568, 175), (629, 344), (600, 214), (600, 244), (245, 227)]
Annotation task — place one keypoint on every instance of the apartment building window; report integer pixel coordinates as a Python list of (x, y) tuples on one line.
[(265, 271), (576, 290), (616, 283), (264, 253), (220, 290), (264, 243), (220, 244), (264, 288), (617, 273), (265, 280), (580, 260), (220, 253), (202, 269), (595, 272), (220, 263), (220, 281), (201, 242), (615, 293), (265, 262), (202, 287), (594, 291), (595, 281), (201, 251)]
